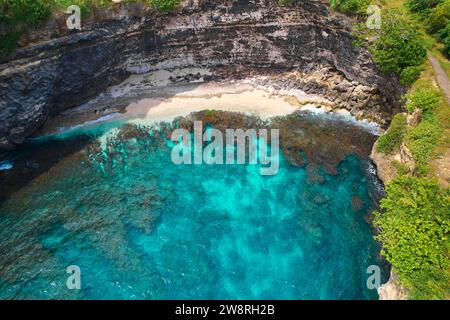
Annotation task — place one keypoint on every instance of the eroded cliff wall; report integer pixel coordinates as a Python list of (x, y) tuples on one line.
[(49, 75)]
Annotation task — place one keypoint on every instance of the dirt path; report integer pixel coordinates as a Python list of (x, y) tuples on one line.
[(442, 163), (441, 76)]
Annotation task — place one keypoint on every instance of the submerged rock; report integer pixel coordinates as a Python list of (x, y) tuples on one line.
[(141, 227), (357, 203)]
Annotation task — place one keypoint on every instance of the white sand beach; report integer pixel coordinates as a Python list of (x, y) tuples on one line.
[(233, 97)]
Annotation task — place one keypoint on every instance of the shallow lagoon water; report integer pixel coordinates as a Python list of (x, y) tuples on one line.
[(144, 228)]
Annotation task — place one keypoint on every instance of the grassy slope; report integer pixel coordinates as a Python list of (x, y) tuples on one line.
[(426, 80), (432, 45), (442, 112)]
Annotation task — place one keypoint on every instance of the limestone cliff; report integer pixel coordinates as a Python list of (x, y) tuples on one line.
[(56, 69), (386, 170)]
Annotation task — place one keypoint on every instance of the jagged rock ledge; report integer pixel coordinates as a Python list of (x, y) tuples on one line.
[(386, 170), (57, 70), (392, 290)]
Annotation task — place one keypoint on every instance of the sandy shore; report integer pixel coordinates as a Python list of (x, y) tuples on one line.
[(155, 97), (233, 97)]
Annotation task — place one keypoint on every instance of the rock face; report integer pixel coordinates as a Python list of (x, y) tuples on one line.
[(391, 290), (47, 75), (387, 172), (384, 163)]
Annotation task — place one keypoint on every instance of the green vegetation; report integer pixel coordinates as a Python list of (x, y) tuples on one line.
[(445, 36), (16, 16), (423, 138), (350, 6), (426, 99), (414, 229), (399, 47), (392, 139), (286, 2), (400, 167), (422, 141), (414, 223), (432, 283), (164, 5), (420, 5), (409, 75), (427, 277), (436, 17)]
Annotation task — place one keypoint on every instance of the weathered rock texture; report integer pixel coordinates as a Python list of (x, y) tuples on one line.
[(387, 172), (392, 290), (49, 75)]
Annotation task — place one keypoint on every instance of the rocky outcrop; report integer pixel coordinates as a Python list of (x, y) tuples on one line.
[(362, 101), (389, 164), (392, 290), (414, 118), (55, 71), (384, 163), (49, 77), (387, 171)]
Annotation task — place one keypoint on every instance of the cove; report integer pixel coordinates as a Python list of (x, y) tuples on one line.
[(140, 227)]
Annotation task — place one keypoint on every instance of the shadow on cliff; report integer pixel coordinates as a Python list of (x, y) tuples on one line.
[(31, 160), (37, 156)]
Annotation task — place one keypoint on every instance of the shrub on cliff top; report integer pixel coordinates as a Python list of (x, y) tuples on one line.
[(350, 6), (432, 283), (18, 15), (445, 36), (399, 45), (414, 228), (393, 138), (438, 17), (446, 42), (286, 2), (425, 99), (15, 16), (29, 12), (409, 75), (421, 6), (422, 141), (423, 138), (164, 5)]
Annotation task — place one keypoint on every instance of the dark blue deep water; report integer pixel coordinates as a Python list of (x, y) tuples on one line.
[(144, 228)]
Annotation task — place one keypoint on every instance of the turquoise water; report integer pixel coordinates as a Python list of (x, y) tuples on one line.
[(140, 227)]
